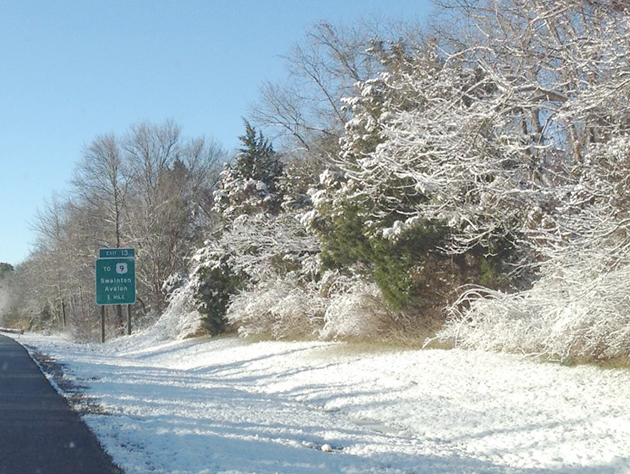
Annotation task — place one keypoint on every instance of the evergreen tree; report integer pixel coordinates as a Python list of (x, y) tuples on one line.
[(251, 184)]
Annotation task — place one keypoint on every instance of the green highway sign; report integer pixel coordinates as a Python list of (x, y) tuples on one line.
[(116, 253), (115, 280)]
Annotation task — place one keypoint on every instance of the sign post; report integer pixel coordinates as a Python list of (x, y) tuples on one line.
[(115, 280), (102, 324)]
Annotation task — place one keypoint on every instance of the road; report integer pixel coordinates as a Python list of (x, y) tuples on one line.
[(39, 432)]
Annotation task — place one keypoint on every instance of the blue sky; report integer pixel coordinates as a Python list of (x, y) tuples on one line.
[(71, 70)]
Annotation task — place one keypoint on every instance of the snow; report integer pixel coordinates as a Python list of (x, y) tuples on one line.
[(227, 405)]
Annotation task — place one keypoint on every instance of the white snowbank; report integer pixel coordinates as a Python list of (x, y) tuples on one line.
[(230, 406)]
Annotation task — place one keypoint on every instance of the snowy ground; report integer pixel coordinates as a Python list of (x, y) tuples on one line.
[(231, 406)]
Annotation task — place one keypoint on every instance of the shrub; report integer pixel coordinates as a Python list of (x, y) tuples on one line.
[(576, 314), (182, 318), (216, 283), (279, 308)]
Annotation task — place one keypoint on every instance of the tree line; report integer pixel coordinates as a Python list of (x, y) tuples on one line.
[(149, 189), (464, 181)]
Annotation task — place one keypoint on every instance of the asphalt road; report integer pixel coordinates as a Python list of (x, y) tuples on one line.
[(39, 432)]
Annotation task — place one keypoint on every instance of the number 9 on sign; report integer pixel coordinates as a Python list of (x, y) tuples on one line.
[(121, 268)]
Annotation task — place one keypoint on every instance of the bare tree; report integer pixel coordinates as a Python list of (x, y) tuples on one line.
[(53, 243), (306, 112), (151, 190), (170, 182), (102, 187), (100, 183)]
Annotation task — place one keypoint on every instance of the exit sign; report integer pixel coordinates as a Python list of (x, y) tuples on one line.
[(116, 253), (115, 278)]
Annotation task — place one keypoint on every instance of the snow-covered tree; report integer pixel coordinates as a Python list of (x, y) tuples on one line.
[(250, 184), (573, 60), (410, 196)]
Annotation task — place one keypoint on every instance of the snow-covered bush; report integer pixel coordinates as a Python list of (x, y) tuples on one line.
[(360, 312), (279, 308), (215, 282), (256, 256), (357, 310), (337, 307), (182, 318), (197, 304), (579, 309), (567, 317)]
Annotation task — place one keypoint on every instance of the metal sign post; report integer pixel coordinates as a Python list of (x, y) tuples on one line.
[(115, 280)]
